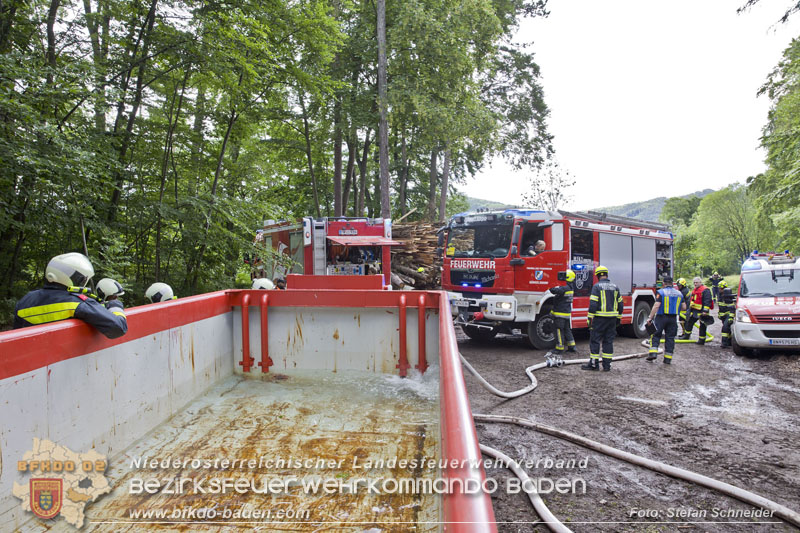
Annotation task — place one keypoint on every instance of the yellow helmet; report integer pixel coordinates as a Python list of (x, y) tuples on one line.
[(600, 271), (681, 282), (570, 275), (722, 284)]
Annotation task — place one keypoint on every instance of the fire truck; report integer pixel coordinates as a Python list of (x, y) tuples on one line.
[(768, 304), (497, 282), (325, 246)]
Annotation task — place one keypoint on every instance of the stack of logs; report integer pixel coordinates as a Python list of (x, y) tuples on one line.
[(415, 264)]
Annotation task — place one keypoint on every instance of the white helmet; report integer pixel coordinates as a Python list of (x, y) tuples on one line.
[(107, 287), (263, 283), (72, 270), (159, 292)]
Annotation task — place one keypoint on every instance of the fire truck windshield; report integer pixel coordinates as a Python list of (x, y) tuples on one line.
[(769, 283), (480, 239)]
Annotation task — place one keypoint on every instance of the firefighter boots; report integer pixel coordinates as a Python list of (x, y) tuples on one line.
[(685, 337), (591, 365), (651, 357), (606, 366), (701, 341)]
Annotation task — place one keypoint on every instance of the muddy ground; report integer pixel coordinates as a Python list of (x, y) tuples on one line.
[(730, 418)]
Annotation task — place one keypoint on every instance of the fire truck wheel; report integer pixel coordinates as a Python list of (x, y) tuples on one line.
[(740, 350), (479, 334), (542, 331), (636, 329)]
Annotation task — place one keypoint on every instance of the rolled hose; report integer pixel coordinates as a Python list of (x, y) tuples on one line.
[(735, 492), (538, 504), (553, 523)]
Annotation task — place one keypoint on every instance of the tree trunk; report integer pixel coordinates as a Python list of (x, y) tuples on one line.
[(432, 185), (362, 168), (383, 105), (403, 175), (337, 158), (309, 159), (445, 178), (51, 39)]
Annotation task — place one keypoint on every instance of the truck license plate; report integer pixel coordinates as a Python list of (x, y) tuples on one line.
[(784, 342), (460, 303)]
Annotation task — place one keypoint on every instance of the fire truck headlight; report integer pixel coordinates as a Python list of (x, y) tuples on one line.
[(504, 305), (742, 316)]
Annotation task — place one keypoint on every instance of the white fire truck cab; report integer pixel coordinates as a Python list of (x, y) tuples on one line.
[(768, 304), (497, 281)]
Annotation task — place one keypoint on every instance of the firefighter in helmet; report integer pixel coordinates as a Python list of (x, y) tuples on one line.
[(562, 313), (263, 283), (664, 320), (605, 310), (65, 295), (727, 305), (686, 293), (699, 307), (160, 292)]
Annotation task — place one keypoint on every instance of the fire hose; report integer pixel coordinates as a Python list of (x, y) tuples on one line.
[(549, 519)]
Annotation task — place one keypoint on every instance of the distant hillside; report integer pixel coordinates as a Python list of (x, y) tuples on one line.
[(646, 210)]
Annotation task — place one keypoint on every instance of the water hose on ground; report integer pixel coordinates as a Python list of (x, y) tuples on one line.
[(538, 504), (553, 523), (735, 492)]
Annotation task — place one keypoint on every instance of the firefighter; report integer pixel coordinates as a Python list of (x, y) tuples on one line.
[(108, 289), (65, 295), (160, 292), (562, 314), (536, 249), (280, 283), (715, 279), (727, 305), (664, 317), (685, 292), (701, 304), (605, 310)]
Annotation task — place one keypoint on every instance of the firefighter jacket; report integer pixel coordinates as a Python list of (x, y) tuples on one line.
[(701, 299), (605, 300), (686, 294), (727, 303), (562, 303), (53, 303), (670, 299)]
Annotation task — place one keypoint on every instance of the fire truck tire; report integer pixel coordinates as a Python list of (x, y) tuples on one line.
[(542, 331), (636, 329), (479, 334), (740, 350)]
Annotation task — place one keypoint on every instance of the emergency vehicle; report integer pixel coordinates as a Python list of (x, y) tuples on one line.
[(496, 286), (325, 246), (768, 303)]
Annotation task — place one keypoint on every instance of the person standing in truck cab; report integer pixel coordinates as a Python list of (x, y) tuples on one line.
[(700, 305), (605, 310), (727, 308), (65, 296), (664, 317), (562, 313), (536, 249)]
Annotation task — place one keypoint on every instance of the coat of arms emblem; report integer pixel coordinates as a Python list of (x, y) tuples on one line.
[(46, 497)]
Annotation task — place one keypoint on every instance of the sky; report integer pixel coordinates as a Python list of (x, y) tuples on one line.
[(649, 98)]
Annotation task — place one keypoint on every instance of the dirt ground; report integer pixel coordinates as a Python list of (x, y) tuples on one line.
[(730, 418)]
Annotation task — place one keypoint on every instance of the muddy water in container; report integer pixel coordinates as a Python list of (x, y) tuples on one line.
[(344, 429)]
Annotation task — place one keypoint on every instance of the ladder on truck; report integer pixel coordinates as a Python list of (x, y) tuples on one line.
[(318, 242)]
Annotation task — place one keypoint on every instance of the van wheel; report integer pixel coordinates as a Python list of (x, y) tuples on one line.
[(739, 350), (479, 334), (636, 329), (542, 331)]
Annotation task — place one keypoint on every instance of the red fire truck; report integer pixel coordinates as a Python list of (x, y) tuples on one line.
[(325, 247), (497, 283)]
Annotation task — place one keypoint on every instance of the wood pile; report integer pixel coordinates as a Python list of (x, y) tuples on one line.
[(415, 264)]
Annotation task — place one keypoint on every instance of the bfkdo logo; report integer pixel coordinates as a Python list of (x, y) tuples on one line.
[(61, 482), (46, 497)]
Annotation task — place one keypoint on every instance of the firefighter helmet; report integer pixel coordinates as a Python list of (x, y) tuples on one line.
[(108, 287), (570, 275), (722, 284), (601, 271), (159, 292), (72, 270), (681, 282), (263, 283)]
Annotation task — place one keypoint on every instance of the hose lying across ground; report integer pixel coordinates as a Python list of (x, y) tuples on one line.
[(552, 522)]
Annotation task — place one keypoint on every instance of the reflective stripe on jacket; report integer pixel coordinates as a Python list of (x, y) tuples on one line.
[(670, 299), (562, 302), (54, 303), (605, 300), (701, 299)]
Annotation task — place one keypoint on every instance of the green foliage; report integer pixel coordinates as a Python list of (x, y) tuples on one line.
[(680, 210)]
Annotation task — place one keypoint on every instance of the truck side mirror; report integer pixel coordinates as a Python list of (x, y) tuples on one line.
[(514, 250), (515, 237)]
